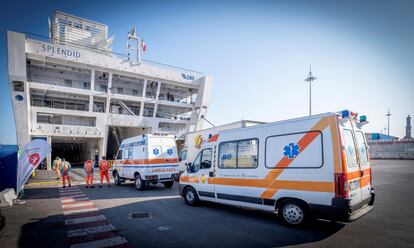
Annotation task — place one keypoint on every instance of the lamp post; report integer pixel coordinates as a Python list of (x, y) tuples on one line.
[(310, 79), (388, 116)]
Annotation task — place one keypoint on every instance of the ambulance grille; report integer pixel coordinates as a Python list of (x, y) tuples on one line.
[(139, 215)]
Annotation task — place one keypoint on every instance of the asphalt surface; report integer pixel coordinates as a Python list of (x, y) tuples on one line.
[(174, 224)]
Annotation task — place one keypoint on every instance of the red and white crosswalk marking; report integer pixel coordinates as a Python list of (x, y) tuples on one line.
[(86, 226)]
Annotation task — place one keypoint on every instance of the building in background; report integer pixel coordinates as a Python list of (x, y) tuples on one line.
[(382, 146), (73, 91), (408, 129)]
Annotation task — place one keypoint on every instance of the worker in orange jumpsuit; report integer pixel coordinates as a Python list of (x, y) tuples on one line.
[(65, 168), (104, 166), (56, 166), (89, 164)]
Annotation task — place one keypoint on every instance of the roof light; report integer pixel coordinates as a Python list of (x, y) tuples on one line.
[(345, 113), (363, 118), (353, 114)]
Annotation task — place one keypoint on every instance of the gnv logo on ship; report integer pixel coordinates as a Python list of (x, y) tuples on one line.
[(187, 76)]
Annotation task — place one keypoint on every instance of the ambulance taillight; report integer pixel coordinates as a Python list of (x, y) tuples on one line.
[(341, 185)]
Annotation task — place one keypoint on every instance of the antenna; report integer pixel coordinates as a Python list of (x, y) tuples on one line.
[(132, 40), (310, 79)]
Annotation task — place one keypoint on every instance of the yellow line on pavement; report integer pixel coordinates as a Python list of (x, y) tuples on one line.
[(44, 183)]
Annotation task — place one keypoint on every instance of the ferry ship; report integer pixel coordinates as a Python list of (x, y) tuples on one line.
[(71, 89)]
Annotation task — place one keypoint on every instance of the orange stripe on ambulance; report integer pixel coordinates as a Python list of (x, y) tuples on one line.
[(312, 166)]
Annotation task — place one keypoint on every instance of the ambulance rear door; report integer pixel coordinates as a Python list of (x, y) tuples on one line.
[(353, 170)]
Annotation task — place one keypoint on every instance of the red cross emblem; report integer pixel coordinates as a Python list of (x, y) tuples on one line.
[(34, 159)]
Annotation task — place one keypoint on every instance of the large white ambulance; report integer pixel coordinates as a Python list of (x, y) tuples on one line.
[(147, 159), (315, 166)]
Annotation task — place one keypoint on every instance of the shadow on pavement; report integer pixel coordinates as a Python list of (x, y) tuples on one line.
[(174, 224), (45, 232)]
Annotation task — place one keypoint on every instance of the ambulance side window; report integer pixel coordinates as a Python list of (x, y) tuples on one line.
[(183, 155), (119, 156), (203, 160), (130, 153), (241, 154), (206, 158)]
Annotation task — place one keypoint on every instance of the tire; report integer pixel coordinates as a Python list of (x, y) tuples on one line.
[(117, 179), (139, 183), (293, 213), (168, 184), (191, 197)]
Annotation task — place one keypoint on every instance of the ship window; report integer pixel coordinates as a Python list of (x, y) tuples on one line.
[(104, 88), (86, 85), (68, 83), (120, 90), (135, 92), (18, 86)]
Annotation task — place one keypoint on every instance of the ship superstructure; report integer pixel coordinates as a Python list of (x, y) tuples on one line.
[(73, 91)]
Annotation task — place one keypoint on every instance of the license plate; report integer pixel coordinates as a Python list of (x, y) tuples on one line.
[(165, 175), (354, 185)]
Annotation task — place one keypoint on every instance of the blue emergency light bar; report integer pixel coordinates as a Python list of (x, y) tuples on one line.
[(345, 113)]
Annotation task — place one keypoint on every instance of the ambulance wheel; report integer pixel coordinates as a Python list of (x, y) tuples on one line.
[(293, 212), (168, 184), (139, 183), (190, 196), (117, 179)]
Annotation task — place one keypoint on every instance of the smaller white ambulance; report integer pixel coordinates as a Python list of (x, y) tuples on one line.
[(147, 159), (310, 167)]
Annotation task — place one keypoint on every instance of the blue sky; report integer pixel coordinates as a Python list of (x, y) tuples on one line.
[(258, 52)]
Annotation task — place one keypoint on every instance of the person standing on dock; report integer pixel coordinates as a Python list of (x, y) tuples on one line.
[(104, 167), (89, 164), (56, 166), (65, 168)]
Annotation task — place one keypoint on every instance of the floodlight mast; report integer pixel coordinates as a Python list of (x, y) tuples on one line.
[(310, 79), (388, 116)]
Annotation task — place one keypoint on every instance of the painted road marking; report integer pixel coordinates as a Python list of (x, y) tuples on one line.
[(73, 192), (102, 243), (77, 204), (85, 220), (68, 200), (88, 238), (90, 230), (86, 227), (88, 224), (84, 210), (69, 191), (69, 196)]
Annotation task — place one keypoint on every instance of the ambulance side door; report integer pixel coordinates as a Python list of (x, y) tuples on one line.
[(202, 169)]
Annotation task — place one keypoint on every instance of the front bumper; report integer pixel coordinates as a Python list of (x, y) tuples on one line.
[(341, 210)]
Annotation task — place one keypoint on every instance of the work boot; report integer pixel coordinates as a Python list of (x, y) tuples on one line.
[(109, 185), (92, 186), (87, 186), (100, 186), (70, 185), (64, 186)]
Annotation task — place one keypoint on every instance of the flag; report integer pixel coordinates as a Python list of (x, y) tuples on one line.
[(144, 46), (31, 156)]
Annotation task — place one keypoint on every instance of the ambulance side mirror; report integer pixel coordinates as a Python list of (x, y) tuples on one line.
[(190, 167)]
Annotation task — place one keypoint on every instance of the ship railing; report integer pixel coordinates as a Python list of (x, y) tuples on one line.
[(187, 74)]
